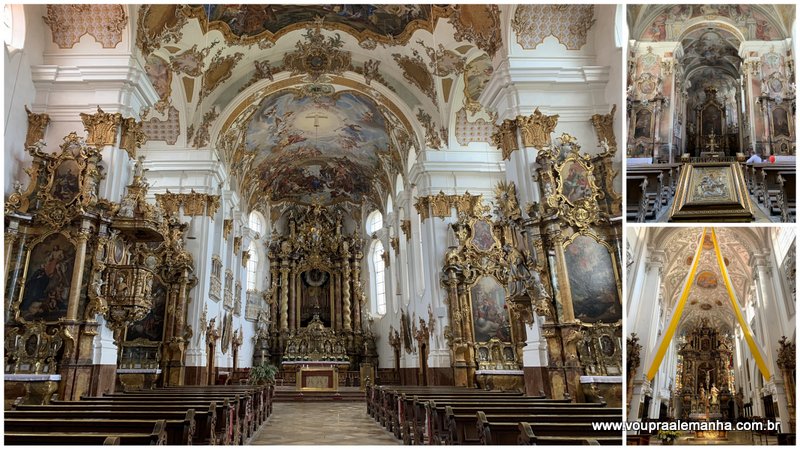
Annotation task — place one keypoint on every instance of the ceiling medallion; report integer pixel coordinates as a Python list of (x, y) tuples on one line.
[(317, 56)]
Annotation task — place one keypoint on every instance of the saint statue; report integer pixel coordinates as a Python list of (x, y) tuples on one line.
[(212, 334), (714, 394)]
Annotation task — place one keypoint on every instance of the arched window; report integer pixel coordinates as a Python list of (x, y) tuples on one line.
[(252, 268), (14, 26), (380, 278), (374, 222), (255, 223)]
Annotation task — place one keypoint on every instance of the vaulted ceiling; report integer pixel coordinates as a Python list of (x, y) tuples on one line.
[(316, 103), (708, 297), (656, 23)]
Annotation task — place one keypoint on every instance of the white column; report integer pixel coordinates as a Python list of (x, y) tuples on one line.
[(644, 323)]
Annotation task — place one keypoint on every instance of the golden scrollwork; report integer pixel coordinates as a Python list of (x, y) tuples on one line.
[(193, 203), (576, 195), (33, 348), (317, 56), (237, 244), (71, 179), (102, 127), (227, 227), (245, 257), (535, 130), (604, 126), (132, 136), (405, 225), (395, 244), (508, 203), (37, 124), (505, 138), (441, 205)]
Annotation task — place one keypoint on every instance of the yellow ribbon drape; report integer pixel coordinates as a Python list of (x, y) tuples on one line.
[(666, 338), (748, 335)]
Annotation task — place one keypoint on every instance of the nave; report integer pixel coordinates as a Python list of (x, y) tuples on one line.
[(205, 199), (711, 114)]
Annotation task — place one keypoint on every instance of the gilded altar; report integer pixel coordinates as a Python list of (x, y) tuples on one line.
[(72, 257), (316, 297), (704, 379), (540, 259)]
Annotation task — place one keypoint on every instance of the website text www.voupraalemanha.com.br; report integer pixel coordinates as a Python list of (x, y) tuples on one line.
[(651, 427)]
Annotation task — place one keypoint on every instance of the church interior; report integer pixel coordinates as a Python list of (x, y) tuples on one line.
[(711, 330), (711, 100), (323, 224)]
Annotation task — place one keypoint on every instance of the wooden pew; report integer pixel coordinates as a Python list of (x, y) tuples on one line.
[(221, 422), (199, 423), (157, 436), (238, 430), (636, 202), (787, 200), (767, 186), (460, 421), (390, 409), (178, 432), (255, 410), (516, 429)]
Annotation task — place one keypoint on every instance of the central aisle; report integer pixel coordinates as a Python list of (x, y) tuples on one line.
[(322, 423)]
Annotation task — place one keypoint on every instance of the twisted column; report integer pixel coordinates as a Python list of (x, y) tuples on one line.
[(346, 323), (284, 297)]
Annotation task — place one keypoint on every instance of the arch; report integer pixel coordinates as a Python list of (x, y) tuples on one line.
[(398, 185), (374, 222), (14, 26), (256, 222), (389, 204)]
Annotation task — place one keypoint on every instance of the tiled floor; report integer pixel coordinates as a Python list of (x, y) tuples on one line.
[(328, 423)]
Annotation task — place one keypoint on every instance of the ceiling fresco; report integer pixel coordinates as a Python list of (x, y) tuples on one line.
[(325, 148), (400, 64), (708, 298), (376, 21), (667, 22)]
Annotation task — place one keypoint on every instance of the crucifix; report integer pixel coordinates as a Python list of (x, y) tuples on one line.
[(316, 116), (712, 143)]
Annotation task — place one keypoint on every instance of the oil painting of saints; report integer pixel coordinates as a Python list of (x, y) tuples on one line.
[(490, 315), (48, 280)]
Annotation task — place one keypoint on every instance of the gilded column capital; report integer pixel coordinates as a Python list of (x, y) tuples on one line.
[(132, 136), (405, 225), (505, 137), (37, 124), (102, 127), (535, 130), (604, 126)]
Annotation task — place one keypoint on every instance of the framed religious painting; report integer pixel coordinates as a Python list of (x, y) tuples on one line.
[(781, 123), (490, 317), (596, 297), (643, 124), (48, 280), (483, 238), (711, 191)]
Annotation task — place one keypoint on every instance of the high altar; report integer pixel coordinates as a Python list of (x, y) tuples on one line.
[(316, 298), (704, 379)]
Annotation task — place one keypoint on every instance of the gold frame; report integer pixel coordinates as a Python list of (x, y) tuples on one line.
[(28, 248), (614, 263), (584, 211), (738, 209), (479, 275), (495, 240)]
